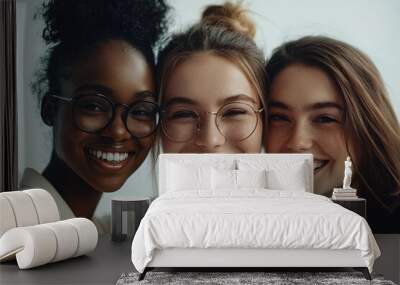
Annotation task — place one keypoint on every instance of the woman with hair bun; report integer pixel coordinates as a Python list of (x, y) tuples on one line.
[(327, 98), (211, 85), (98, 93)]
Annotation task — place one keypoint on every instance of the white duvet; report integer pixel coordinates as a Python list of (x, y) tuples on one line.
[(252, 218)]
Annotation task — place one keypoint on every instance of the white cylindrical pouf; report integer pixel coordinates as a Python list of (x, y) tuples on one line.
[(45, 205), (23, 208), (7, 217), (87, 234), (33, 246), (40, 244), (67, 239)]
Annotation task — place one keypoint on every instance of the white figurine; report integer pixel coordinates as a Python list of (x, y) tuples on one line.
[(347, 174)]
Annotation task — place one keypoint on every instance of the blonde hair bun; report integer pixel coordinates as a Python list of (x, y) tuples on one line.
[(231, 16)]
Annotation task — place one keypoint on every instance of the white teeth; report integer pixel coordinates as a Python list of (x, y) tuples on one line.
[(109, 156)]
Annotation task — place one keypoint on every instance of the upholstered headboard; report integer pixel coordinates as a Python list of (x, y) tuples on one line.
[(237, 161)]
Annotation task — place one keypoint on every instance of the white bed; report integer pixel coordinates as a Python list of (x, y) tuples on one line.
[(197, 223)]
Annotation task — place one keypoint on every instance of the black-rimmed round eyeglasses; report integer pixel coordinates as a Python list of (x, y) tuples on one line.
[(93, 112), (236, 121)]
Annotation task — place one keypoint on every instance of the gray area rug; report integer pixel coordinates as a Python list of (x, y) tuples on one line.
[(226, 278)]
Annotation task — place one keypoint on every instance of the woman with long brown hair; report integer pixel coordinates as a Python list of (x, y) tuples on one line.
[(327, 98)]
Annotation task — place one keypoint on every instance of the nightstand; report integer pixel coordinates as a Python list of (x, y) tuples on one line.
[(126, 214), (358, 205)]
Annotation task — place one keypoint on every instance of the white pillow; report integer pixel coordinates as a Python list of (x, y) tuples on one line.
[(293, 179), (251, 179), (182, 178), (223, 179), (280, 174)]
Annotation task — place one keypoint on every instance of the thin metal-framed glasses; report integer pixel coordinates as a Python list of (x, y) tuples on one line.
[(93, 112), (235, 121)]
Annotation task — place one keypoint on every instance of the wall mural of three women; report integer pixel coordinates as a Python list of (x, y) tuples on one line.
[(114, 85)]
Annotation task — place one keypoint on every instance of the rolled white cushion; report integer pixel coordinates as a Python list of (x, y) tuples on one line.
[(26, 208), (40, 244), (66, 238), (33, 246), (23, 208), (45, 205), (87, 235), (7, 218)]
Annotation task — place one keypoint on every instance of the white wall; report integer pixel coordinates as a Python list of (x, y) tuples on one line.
[(373, 26)]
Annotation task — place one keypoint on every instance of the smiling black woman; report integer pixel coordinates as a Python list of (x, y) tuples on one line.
[(98, 94)]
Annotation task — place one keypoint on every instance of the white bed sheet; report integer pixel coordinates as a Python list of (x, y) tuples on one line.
[(251, 218)]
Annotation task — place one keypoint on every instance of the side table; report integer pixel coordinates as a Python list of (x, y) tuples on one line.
[(357, 205), (126, 214)]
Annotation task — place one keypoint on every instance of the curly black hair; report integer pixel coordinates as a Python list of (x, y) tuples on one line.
[(73, 28)]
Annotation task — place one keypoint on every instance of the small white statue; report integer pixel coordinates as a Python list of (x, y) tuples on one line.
[(347, 174)]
